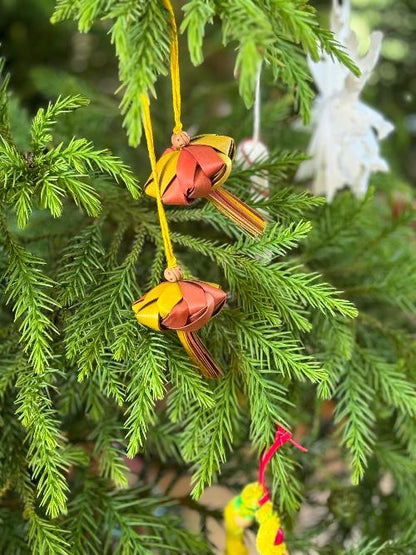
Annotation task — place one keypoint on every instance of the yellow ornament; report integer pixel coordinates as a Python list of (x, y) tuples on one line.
[(253, 504)]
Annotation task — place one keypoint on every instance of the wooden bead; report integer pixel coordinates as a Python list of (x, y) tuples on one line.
[(180, 140), (173, 274)]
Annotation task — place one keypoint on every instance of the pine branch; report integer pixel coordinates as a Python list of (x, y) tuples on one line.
[(354, 415), (395, 388), (5, 130), (140, 34), (198, 13), (108, 453), (46, 455), (267, 399), (189, 386), (49, 175), (44, 120), (85, 519), (273, 349), (81, 260), (336, 340), (210, 433), (26, 290), (278, 285), (46, 537), (145, 388), (90, 327), (145, 524), (82, 155)]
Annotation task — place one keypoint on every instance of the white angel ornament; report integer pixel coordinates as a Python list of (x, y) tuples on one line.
[(344, 147)]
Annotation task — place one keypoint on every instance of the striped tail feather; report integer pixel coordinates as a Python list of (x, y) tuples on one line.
[(238, 211), (199, 354)]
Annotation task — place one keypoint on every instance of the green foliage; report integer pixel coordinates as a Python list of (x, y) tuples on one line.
[(49, 174), (275, 31), (98, 414), (140, 35), (26, 289)]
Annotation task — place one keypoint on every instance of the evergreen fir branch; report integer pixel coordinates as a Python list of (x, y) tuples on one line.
[(20, 123), (398, 461), (210, 433), (251, 281), (51, 195), (109, 452), (45, 454), (141, 42), (60, 177), (47, 537), (8, 371), (405, 430), (163, 439), (277, 166), (246, 22), (133, 510), (278, 29), (13, 538), (158, 264), (16, 189), (277, 240), (279, 285), (44, 120), (376, 546), (64, 9), (110, 376), (81, 259), (276, 350), (189, 386), (354, 415), (286, 486), (390, 284), (267, 399), (198, 13), (147, 379), (321, 296), (402, 468), (275, 30), (90, 328), (298, 20), (140, 34), (208, 215), (289, 65), (115, 244), (26, 290), (44, 535), (49, 175), (330, 237), (5, 130), (126, 337), (393, 384), (93, 401), (172, 414), (336, 339), (85, 519), (82, 155)]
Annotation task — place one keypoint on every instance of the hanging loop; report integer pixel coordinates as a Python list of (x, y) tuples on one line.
[(281, 437)]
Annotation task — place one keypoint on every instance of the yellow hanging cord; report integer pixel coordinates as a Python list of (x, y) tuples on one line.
[(174, 68), (164, 226)]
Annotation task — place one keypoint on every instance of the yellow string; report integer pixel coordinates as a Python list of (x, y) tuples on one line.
[(174, 68), (164, 226)]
